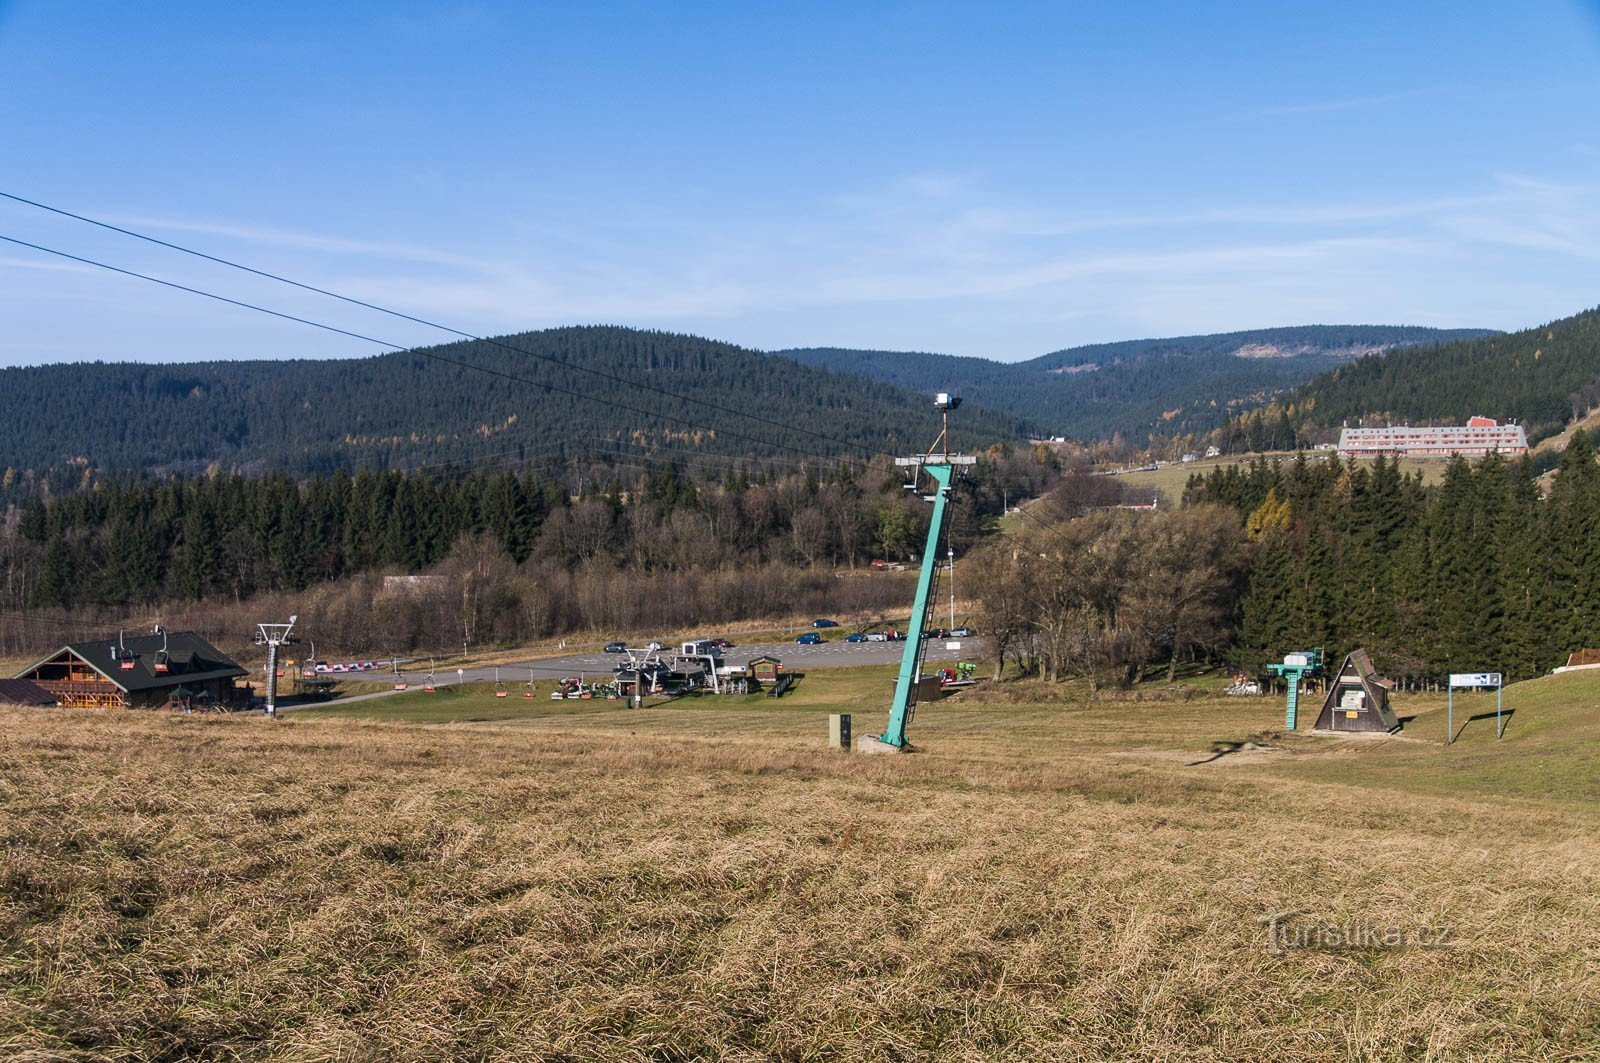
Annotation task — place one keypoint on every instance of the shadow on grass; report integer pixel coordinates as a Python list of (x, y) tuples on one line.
[(1505, 722), (1223, 749)]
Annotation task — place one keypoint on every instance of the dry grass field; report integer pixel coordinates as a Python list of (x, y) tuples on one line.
[(461, 878)]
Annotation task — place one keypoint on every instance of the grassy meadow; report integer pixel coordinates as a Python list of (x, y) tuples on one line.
[(1170, 480), (456, 876)]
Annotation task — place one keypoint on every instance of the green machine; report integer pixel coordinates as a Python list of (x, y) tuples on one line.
[(940, 466), (1292, 669)]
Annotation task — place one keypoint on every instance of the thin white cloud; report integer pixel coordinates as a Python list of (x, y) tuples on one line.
[(45, 266), (268, 235)]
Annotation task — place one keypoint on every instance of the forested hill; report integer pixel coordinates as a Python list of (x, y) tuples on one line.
[(1542, 376), (1180, 384), (400, 410)]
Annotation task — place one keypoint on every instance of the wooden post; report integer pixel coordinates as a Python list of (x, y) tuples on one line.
[(839, 731)]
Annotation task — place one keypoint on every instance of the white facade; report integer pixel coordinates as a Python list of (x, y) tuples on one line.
[(1479, 436)]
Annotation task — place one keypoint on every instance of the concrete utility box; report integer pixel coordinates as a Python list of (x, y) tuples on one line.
[(839, 731)]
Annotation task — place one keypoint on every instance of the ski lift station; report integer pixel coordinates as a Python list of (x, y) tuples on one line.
[(142, 672)]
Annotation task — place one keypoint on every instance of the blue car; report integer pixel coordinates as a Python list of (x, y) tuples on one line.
[(824, 623), (810, 638), (857, 637)]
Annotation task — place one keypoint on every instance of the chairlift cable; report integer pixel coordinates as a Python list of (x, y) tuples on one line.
[(458, 363), (614, 378)]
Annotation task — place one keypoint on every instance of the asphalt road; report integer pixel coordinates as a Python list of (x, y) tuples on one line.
[(835, 653)]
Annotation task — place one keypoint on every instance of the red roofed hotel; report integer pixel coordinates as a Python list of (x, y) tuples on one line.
[(1479, 436)]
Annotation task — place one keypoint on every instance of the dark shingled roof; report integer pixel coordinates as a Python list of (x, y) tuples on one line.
[(24, 692), (190, 660)]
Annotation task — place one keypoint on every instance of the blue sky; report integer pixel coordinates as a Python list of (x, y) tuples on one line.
[(999, 179)]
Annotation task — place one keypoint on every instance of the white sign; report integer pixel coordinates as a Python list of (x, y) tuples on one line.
[(1297, 660), (1474, 679)]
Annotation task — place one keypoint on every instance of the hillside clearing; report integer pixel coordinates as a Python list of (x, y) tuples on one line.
[(1170, 480), (1046, 881)]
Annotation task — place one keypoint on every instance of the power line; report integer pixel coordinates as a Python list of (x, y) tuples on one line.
[(602, 374), (458, 363)]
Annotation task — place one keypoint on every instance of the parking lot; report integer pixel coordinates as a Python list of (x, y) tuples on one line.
[(834, 653)]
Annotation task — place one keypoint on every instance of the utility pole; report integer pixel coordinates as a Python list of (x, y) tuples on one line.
[(273, 636), (940, 465)]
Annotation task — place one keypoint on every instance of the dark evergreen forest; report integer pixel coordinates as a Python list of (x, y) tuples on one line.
[(230, 537), (1180, 385), (1542, 377), (1480, 573), (61, 423)]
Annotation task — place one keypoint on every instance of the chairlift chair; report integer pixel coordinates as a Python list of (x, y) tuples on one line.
[(428, 687), (499, 687), (528, 690)]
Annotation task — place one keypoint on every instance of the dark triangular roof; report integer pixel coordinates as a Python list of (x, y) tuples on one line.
[(24, 692), (190, 659)]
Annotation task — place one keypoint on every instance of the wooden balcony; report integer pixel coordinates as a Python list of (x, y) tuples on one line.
[(80, 695)]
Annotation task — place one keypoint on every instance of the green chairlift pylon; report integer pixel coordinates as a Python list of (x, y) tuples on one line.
[(1292, 669), (940, 465)]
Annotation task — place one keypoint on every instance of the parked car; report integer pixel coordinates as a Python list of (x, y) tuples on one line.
[(935, 633), (961, 632), (722, 644), (857, 637), (653, 646), (810, 638), (616, 647), (824, 623), (877, 636)]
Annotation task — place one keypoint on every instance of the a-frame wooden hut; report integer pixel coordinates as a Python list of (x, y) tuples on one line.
[(1358, 699)]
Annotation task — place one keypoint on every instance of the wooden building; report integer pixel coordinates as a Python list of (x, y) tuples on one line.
[(1358, 700), (765, 669), (138, 673)]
